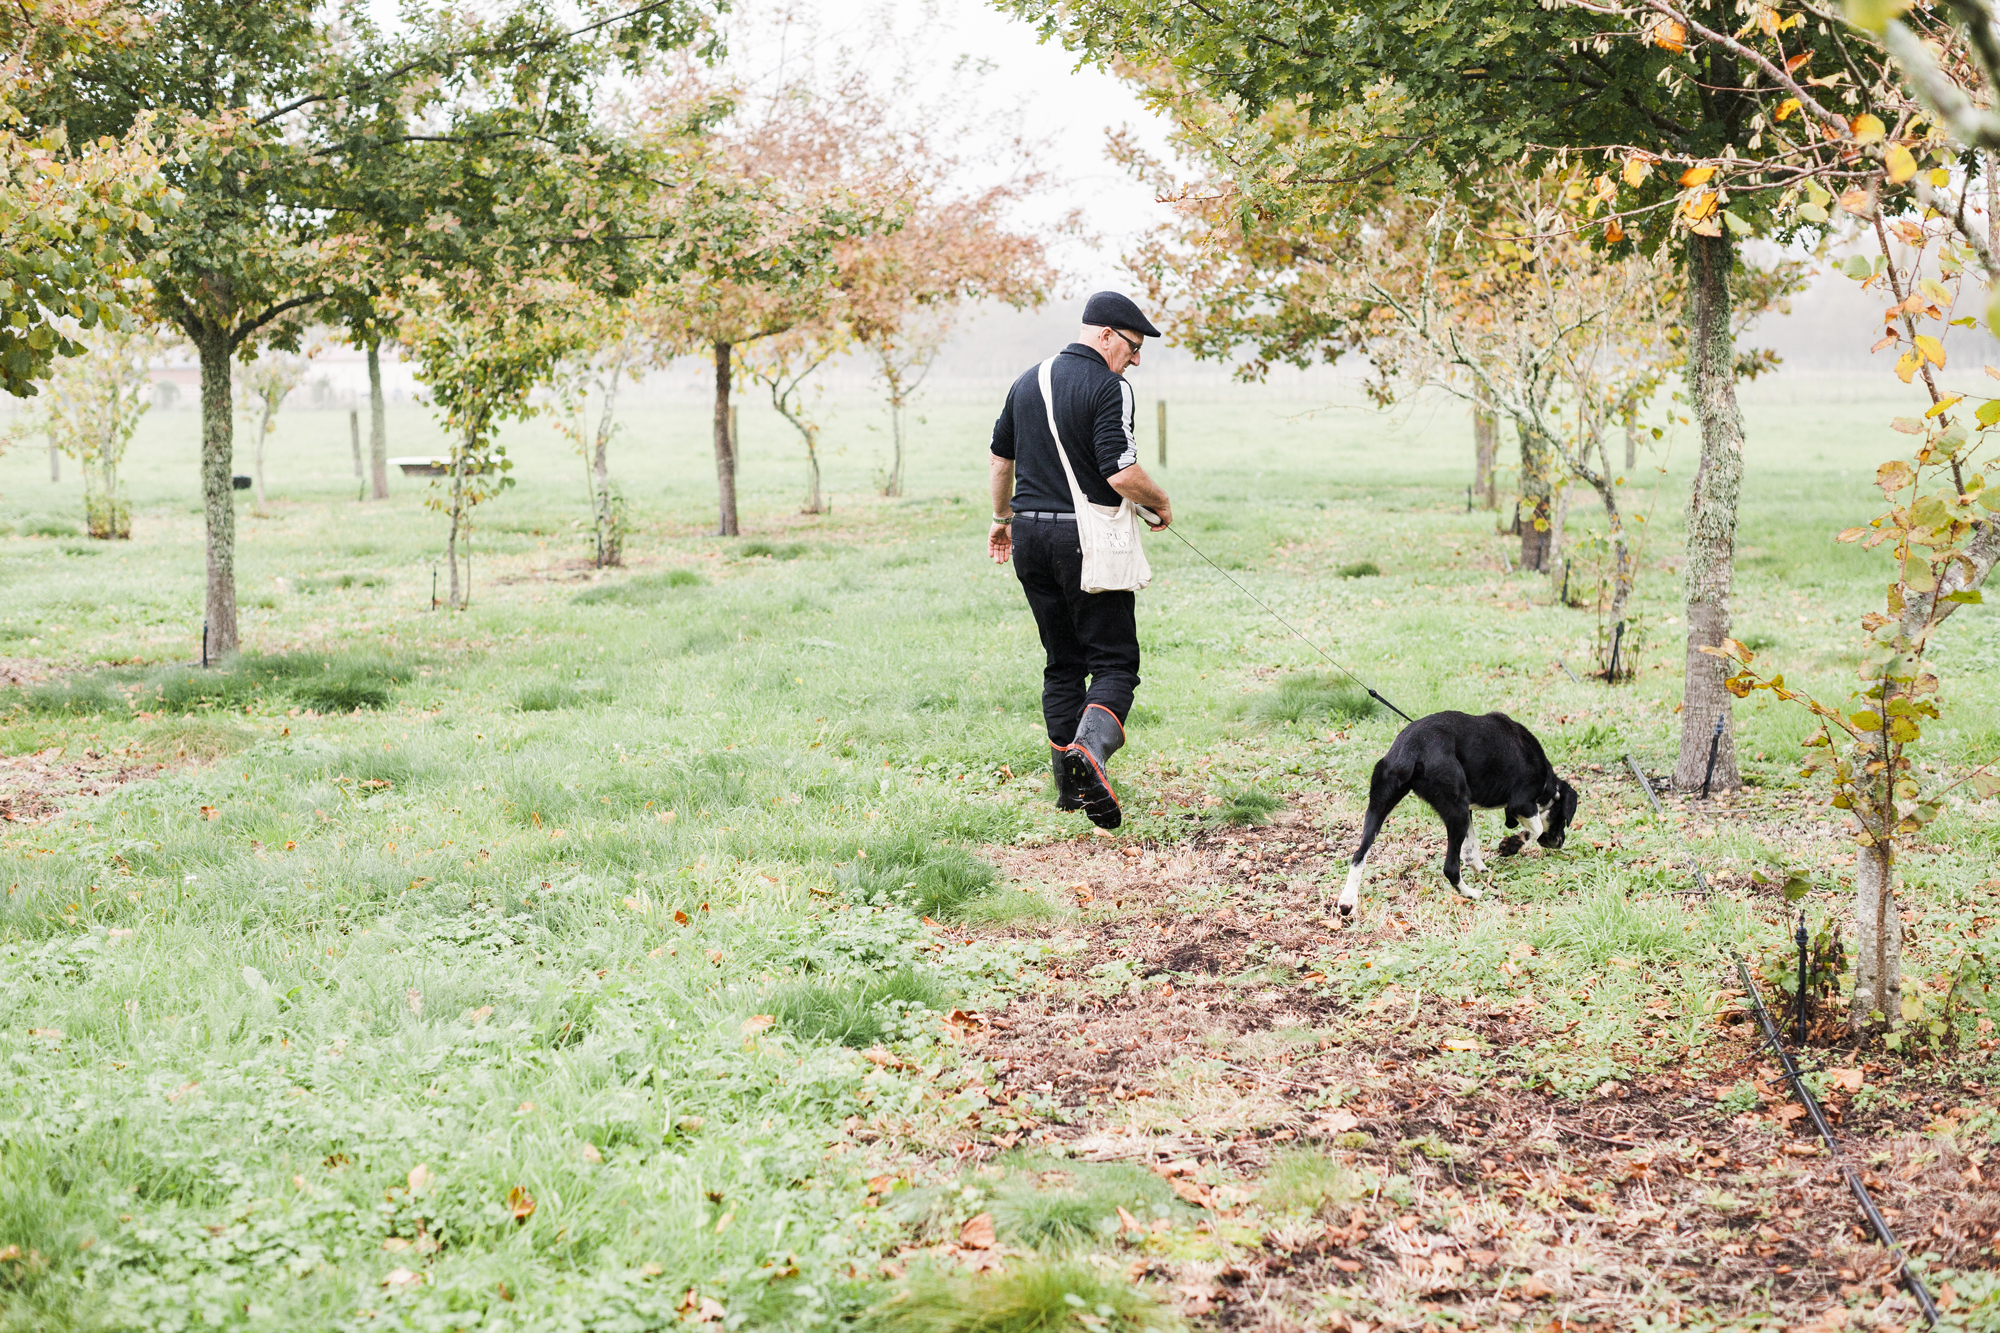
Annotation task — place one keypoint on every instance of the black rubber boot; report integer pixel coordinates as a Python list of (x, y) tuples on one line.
[(1098, 737), (1067, 796)]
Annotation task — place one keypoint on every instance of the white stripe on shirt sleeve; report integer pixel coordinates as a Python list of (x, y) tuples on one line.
[(1131, 454)]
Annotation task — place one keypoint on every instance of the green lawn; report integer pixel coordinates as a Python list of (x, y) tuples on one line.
[(447, 1013)]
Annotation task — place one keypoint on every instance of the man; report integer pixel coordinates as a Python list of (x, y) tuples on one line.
[(1084, 634)]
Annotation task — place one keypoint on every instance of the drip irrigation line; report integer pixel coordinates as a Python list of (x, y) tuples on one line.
[(1151, 517), (1776, 1041)]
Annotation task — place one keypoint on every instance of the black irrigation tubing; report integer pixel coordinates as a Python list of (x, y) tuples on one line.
[(1776, 1041), (1150, 516)]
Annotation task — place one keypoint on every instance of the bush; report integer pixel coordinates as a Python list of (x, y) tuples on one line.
[(1023, 1298), (854, 1013), (1312, 695), (645, 590)]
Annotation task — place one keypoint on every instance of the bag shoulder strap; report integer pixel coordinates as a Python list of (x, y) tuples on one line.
[(1043, 375)]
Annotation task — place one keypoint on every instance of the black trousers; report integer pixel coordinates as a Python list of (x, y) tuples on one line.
[(1084, 634)]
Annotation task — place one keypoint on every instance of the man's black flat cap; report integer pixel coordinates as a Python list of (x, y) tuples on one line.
[(1115, 310)]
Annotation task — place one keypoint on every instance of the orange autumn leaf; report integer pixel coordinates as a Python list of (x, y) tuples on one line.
[(1696, 175), (520, 1205)]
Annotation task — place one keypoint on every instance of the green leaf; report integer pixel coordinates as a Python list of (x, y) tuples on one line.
[(1737, 226), (1797, 887), (1970, 597)]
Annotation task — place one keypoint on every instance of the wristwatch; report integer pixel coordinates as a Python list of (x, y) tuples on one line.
[(998, 520)]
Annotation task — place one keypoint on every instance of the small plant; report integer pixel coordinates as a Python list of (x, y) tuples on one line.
[(1056, 1206), (928, 878), (1360, 569), (552, 696), (1023, 1298)]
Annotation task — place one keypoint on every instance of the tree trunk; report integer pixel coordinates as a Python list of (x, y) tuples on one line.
[(1711, 516), (1535, 494), (378, 425), (1555, 555), (257, 455), (1485, 449), (1631, 442), (894, 485), (55, 459), (610, 543), (725, 452), (1878, 957), (456, 599), (218, 503), (815, 501), (354, 438)]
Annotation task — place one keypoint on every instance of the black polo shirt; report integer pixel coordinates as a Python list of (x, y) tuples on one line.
[(1093, 412)]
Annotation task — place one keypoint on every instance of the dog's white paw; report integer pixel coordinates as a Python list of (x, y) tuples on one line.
[(1350, 893), (1469, 892)]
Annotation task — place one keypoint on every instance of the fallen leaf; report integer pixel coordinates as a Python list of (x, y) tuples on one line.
[(881, 1184), (1533, 1288), (715, 956), (1194, 1193), (1340, 1122), (394, 1243), (420, 1178), (591, 1154), (680, 918), (210, 812), (481, 1014), (958, 1018), (520, 1205), (977, 1233), (1127, 1222), (1848, 1080), (403, 1277), (757, 1023), (415, 999)]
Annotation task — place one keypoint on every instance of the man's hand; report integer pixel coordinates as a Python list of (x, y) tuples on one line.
[(1000, 543), (1162, 519)]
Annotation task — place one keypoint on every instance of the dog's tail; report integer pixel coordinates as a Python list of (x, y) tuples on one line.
[(1390, 783)]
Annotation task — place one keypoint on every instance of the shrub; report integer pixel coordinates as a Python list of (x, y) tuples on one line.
[(1023, 1298)]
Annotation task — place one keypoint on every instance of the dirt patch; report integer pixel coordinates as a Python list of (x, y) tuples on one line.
[(35, 788), (1184, 1028)]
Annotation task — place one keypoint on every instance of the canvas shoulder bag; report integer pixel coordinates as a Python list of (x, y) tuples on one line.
[(1113, 560)]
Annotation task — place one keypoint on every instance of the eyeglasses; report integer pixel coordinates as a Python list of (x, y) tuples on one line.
[(1135, 346)]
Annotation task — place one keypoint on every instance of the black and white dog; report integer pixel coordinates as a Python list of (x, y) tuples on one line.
[(1458, 762)]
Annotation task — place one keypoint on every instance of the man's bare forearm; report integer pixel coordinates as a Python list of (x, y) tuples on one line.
[(1003, 484), (1140, 489)]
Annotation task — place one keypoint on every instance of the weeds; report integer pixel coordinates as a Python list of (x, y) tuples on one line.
[(1245, 807), (856, 1013), (1306, 1180), (1312, 696)]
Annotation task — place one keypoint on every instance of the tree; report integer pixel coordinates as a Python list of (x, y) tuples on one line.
[(296, 131), (482, 342), (1937, 140), (783, 364), (611, 346), (74, 212), (264, 388), (1705, 126), (901, 290), (90, 412)]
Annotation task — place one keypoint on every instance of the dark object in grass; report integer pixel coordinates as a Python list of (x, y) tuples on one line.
[(1360, 569), (645, 590), (854, 1013), (1311, 695), (239, 482), (1511, 845)]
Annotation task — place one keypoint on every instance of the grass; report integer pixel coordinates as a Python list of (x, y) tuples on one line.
[(1307, 1180), (502, 894), (1056, 1206), (1024, 1298)]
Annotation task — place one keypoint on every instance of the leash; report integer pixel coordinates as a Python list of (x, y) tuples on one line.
[(1793, 1076), (1152, 517)]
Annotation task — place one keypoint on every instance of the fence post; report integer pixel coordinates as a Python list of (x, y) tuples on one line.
[(1161, 413)]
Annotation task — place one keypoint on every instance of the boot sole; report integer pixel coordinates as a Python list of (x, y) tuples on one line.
[(1100, 803)]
